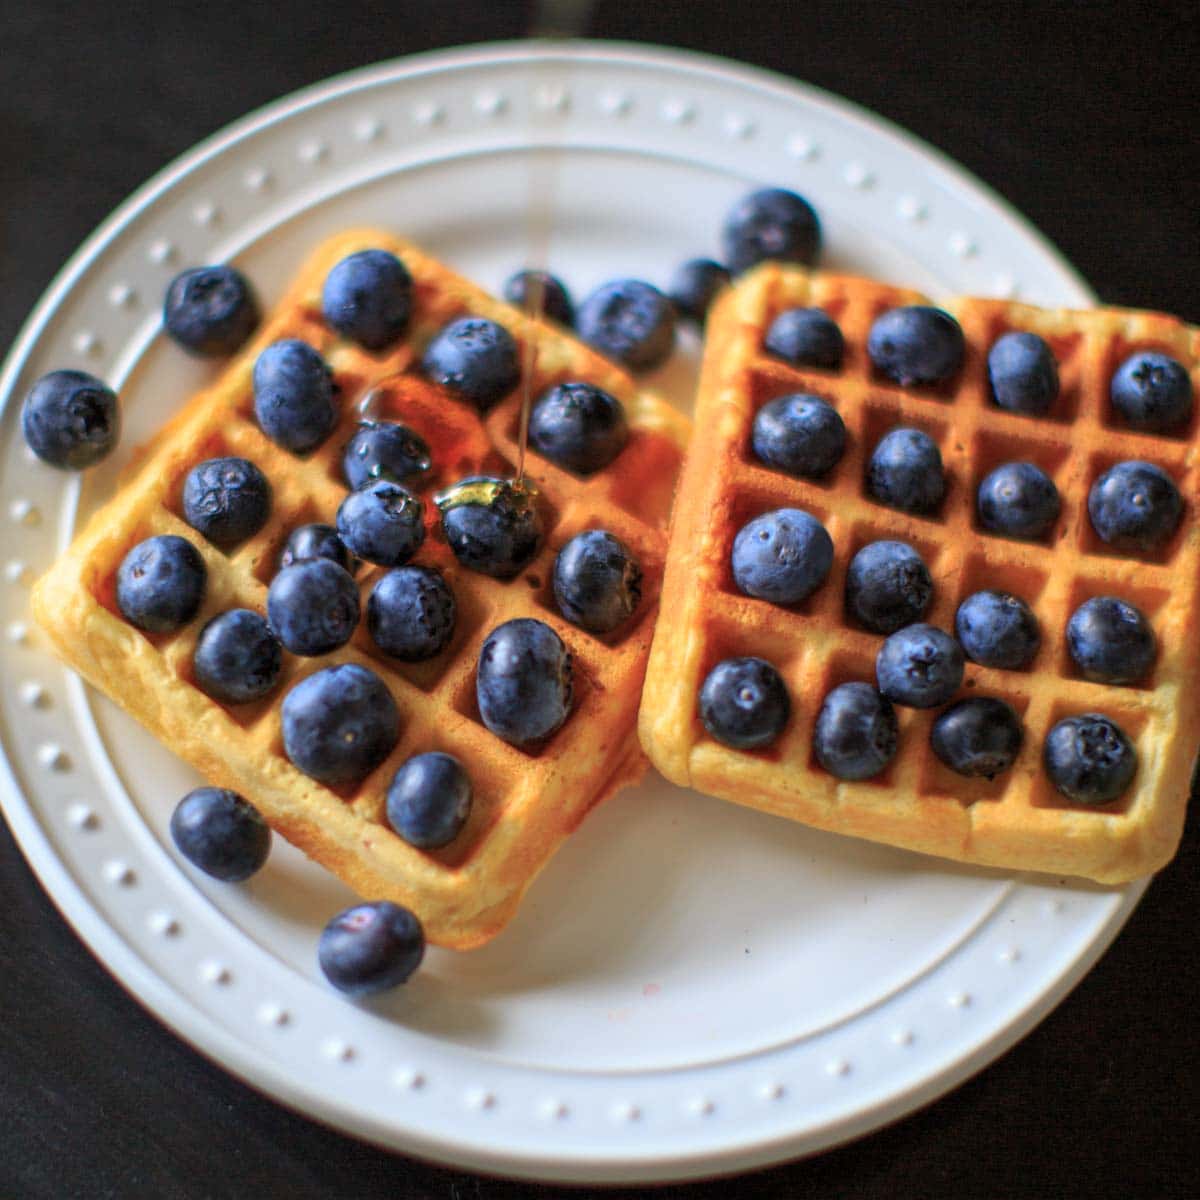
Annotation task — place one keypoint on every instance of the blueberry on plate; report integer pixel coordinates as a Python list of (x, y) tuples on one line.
[(411, 613), (382, 523), (1111, 641), (916, 345), (1089, 758), (540, 292), (339, 723), (630, 321), (1152, 392), (210, 311), (237, 658), (474, 358), (313, 606), (694, 286), (221, 833), (597, 581), (385, 450), (524, 681), (1022, 374), (781, 556), (492, 525), (771, 223), (578, 426), (429, 800), (980, 736), (856, 734), (293, 395), (1018, 500), (70, 419), (905, 472), (919, 666), (226, 499), (997, 629), (799, 434), (806, 337), (316, 541), (160, 583), (888, 586), (744, 703), (367, 297), (371, 948), (1135, 506)]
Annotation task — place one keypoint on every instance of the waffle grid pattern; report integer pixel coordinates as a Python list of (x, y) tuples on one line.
[(524, 804), (1018, 819)]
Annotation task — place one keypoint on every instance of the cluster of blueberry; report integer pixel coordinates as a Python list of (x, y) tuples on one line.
[(783, 556), (339, 723), (633, 322)]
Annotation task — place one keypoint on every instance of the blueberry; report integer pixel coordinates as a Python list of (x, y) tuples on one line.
[(806, 337), (782, 556), (492, 525), (799, 434), (916, 345), (474, 358), (411, 613), (770, 224), (524, 681), (226, 499), (1111, 641), (1018, 500), (293, 395), (339, 723), (370, 948), (997, 629), (597, 581), (367, 297), (384, 450), (744, 703), (1152, 392), (694, 286), (541, 292), (316, 541), (70, 419), (221, 833), (210, 311), (578, 426), (980, 736), (429, 800), (1089, 759), (888, 586), (919, 666), (382, 523), (630, 321), (313, 606), (160, 583), (856, 734), (905, 472), (238, 658), (1135, 506), (1022, 374)]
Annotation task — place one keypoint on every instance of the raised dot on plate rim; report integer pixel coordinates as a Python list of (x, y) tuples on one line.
[(491, 104), (119, 872), (163, 924), (52, 755), (903, 1037), (616, 104), (772, 1091), (959, 999), (553, 1110), (480, 1099), (911, 208), (87, 342), (626, 1110), (678, 112), (161, 251), (837, 1067), (16, 571), (858, 176), (82, 817), (962, 245), (273, 1014), (801, 146), (121, 295), (313, 151), (408, 1077), (1009, 954), (24, 512), (553, 98), (702, 1106), (215, 973), (206, 213), (738, 126), (338, 1050), (33, 694), (257, 179), (428, 113), (368, 129), (18, 633)]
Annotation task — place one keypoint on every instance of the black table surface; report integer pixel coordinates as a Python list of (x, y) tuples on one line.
[(1083, 116)]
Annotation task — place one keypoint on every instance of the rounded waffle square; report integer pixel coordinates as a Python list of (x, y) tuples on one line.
[(1018, 819), (524, 803)]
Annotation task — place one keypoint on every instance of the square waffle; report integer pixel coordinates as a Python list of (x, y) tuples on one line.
[(1018, 819), (524, 803)]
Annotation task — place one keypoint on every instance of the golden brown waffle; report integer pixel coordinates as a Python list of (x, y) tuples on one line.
[(524, 804), (1017, 820)]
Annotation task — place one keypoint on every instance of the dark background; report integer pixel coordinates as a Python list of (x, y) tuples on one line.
[(1085, 117)]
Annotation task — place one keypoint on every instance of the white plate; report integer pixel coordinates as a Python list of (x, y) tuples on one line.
[(690, 987)]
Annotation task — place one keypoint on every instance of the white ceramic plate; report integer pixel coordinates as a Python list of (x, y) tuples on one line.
[(690, 987)]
